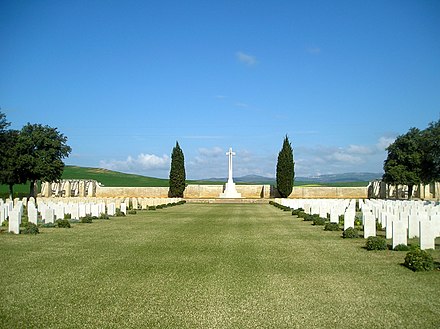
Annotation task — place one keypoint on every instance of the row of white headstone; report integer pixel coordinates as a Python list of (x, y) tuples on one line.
[(402, 220), (52, 209)]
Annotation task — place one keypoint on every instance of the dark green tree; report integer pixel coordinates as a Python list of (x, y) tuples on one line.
[(285, 169), (431, 148), (9, 171), (177, 173), (8, 156), (41, 152), (3, 123), (403, 165)]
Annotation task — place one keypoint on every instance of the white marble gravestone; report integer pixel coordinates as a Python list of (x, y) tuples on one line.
[(111, 209), (230, 190), (124, 208), (32, 213), (49, 215), (349, 218), (14, 222), (369, 225), (134, 203), (399, 232), (427, 236)]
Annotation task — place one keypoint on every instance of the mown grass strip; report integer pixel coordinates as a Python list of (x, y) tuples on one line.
[(208, 266)]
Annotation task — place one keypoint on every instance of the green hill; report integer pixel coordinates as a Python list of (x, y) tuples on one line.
[(118, 179), (112, 178)]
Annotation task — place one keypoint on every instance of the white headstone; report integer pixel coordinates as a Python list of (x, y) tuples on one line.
[(111, 209), (349, 219), (94, 208), (82, 210), (124, 208), (134, 203), (32, 214), (427, 238), (14, 223), (399, 233), (334, 215), (49, 216), (369, 225), (74, 211), (390, 218)]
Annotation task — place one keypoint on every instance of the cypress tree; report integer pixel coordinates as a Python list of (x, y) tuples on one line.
[(285, 169), (177, 173)]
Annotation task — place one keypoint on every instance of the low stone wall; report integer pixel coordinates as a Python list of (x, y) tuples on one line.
[(213, 191), (139, 192), (247, 191), (329, 193)]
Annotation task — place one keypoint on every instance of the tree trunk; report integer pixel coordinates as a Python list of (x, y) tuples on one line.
[(32, 189), (410, 191), (11, 191)]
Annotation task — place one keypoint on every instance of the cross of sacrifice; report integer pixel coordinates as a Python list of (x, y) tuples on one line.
[(230, 154)]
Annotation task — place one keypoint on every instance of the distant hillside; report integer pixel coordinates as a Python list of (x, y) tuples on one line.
[(112, 178), (118, 179), (338, 178), (321, 179)]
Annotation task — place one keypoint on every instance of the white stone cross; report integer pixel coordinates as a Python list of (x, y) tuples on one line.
[(230, 154)]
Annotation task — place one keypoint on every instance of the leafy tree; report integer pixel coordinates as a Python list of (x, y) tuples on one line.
[(431, 149), (41, 150), (177, 173), (8, 156), (285, 169), (9, 171), (3, 123), (404, 161)]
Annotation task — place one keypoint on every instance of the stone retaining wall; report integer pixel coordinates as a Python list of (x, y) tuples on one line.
[(247, 191), (139, 192), (329, 193)]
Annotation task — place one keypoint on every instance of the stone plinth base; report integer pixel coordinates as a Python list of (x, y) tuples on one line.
[(230, 192)]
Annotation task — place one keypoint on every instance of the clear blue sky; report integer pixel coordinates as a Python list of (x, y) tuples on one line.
[(123, 80)]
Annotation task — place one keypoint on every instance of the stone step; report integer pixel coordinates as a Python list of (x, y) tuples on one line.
[(226, 200)]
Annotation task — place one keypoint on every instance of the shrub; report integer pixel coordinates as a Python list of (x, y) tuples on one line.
[(302, 214), (357, 222), (67, 216), (401, 247), (104, 216), (341, 219), (119, 213), (297, 212), (151, 207), (378, 226), (132, 212), (160, 206), (319, 221), (63, 223), (47, 225), (419, 260), (350, 233), (331, 227), (86, 219), (310, 218), (30, 228), (376, 243)]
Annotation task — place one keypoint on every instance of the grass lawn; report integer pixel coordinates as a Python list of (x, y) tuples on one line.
[(208, 266)]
